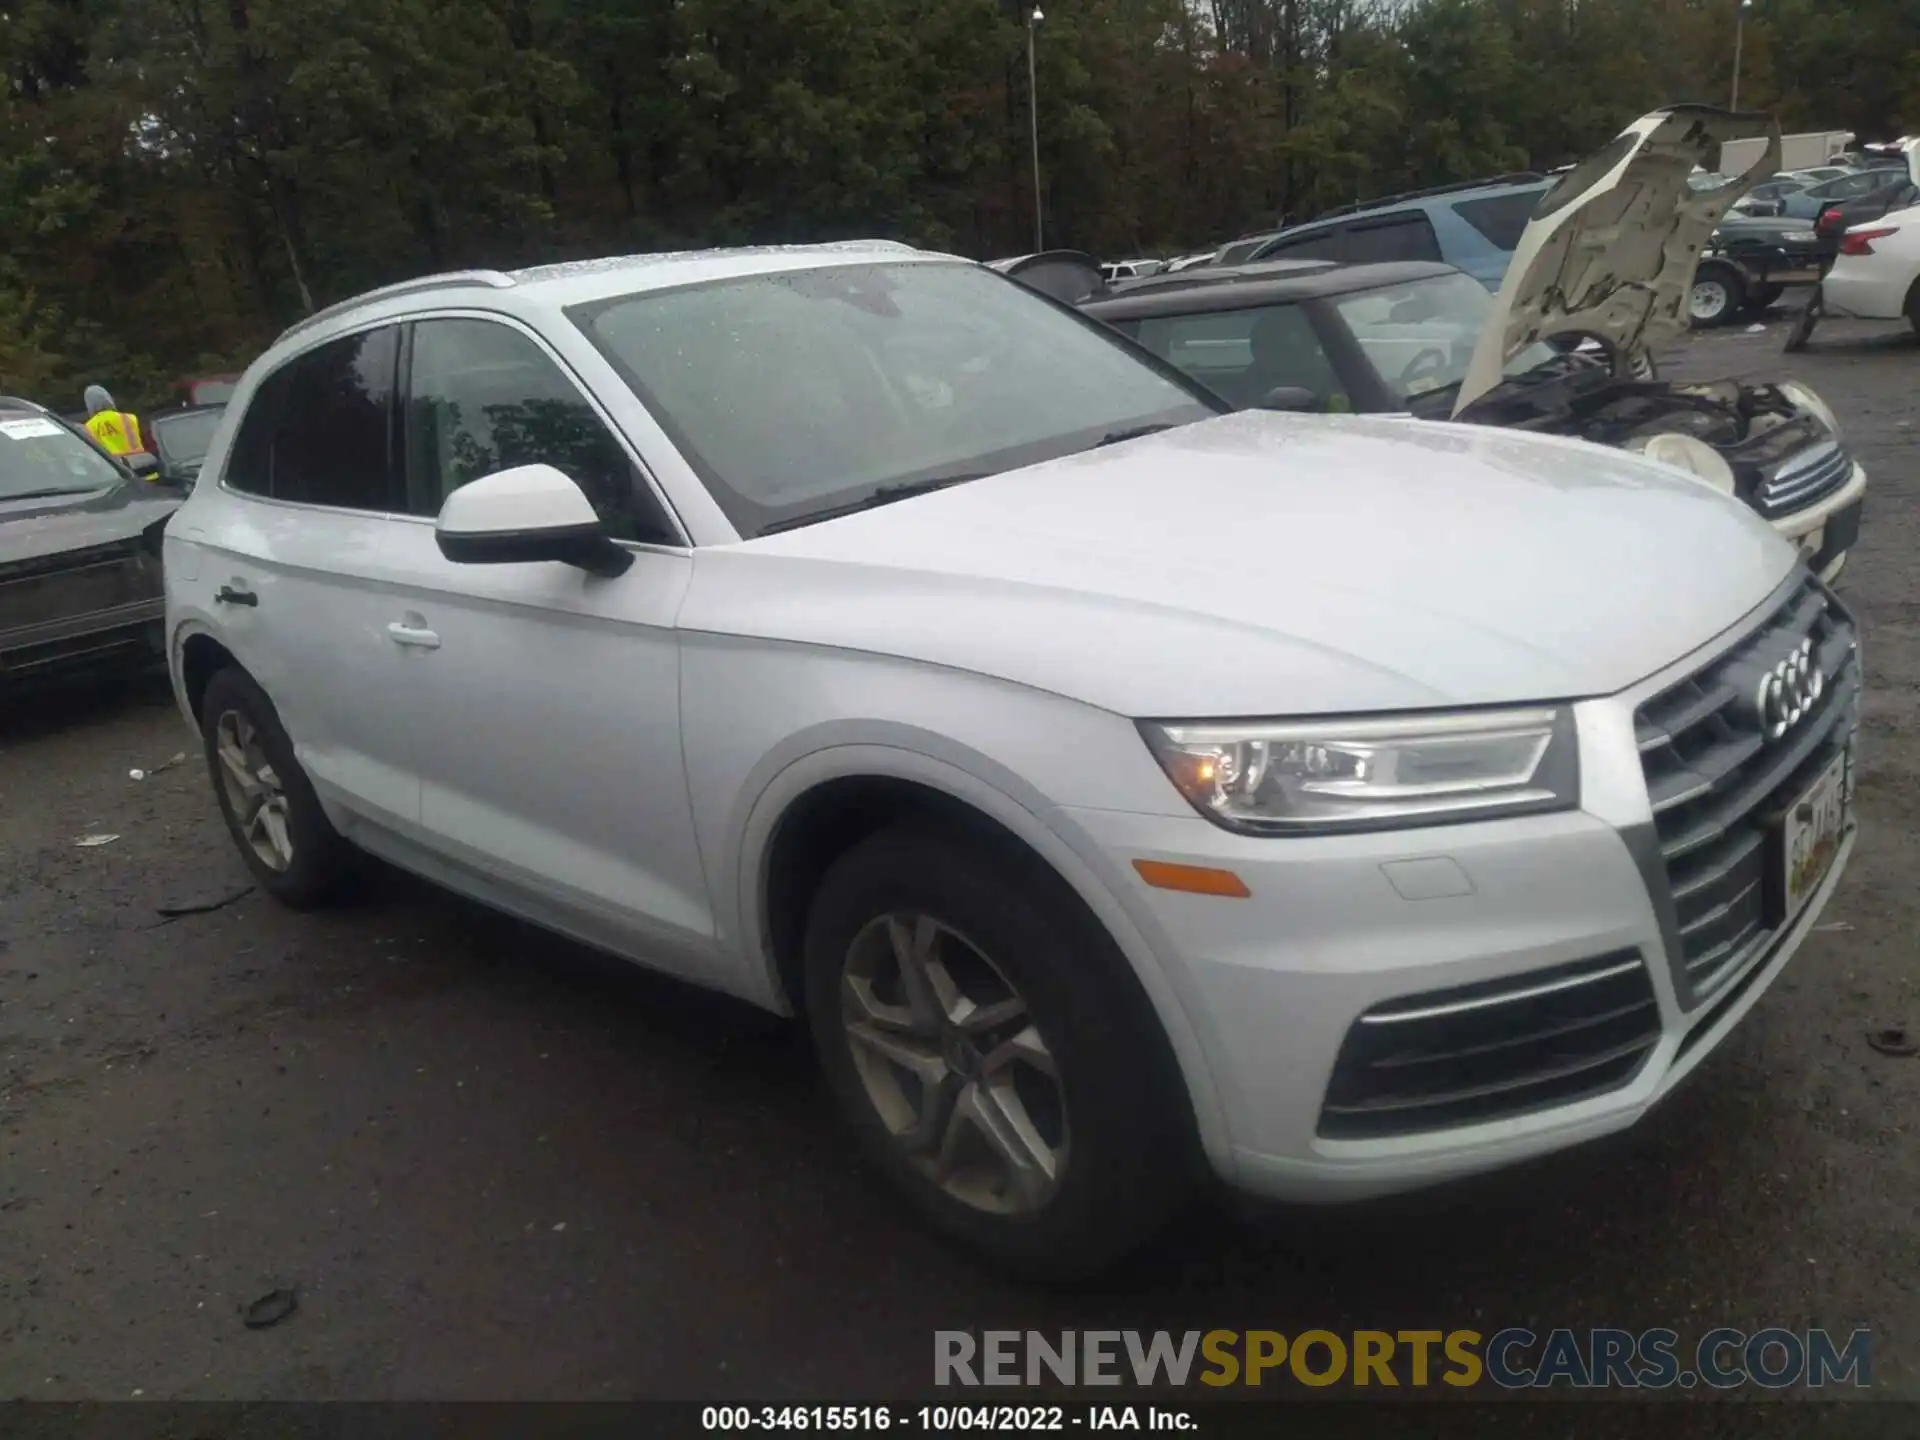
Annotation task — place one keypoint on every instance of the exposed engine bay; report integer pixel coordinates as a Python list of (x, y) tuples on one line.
[(1751, 425)]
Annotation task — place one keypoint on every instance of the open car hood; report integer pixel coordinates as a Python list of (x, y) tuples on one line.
[(1611, 249)]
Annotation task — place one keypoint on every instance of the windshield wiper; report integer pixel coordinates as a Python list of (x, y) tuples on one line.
[(1132, 432), (873, 499)]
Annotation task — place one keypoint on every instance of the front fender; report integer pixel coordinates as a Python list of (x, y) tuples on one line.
[(905, 753)]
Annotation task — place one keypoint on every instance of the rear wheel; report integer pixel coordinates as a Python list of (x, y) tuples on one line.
[(265, 797), (993, 1054), (1913, 306), (1764, 298), (1717, 296)]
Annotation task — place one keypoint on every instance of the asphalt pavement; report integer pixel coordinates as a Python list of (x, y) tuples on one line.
[(492, 1165)]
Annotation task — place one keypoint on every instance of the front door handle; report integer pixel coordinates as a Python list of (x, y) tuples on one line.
[(227, 595), (416, 636)]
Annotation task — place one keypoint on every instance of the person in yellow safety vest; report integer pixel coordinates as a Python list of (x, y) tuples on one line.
[(118, 431)]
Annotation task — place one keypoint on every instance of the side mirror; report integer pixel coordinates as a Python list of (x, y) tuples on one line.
[(143, 464), (1289, 397), (523, 516)]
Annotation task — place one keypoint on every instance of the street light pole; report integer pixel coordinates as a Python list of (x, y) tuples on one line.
[(1033, 119), (1739, 26)]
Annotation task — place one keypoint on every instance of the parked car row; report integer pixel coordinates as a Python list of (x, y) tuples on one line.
[(1875, 274), (1474, 226), (1421, 338)]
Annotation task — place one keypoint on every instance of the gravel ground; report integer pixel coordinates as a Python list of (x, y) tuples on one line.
[(497, 1166)]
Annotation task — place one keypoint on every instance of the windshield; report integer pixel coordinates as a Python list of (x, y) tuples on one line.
[(1420, 335), (184, 439), (804, 392), (41, 458)]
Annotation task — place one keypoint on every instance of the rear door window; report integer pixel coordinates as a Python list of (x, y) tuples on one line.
[(320, 430), (1848, 187), (1328, 244), (1400, 237)]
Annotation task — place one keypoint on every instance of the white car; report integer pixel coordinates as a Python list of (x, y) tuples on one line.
[(1876, 275), (1117, 787)]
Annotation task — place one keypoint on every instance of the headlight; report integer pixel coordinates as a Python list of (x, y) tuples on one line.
[(1806, 400), (1320, 776), (1684, 452)]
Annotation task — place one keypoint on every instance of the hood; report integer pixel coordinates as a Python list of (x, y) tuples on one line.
[(34, 529), (1611, 250), (1270, 564)]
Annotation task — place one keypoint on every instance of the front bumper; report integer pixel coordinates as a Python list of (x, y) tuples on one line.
[(1339, 928)]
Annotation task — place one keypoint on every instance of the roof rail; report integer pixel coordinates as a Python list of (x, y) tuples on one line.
[(1513, 177), (452, 279), (15, 400)]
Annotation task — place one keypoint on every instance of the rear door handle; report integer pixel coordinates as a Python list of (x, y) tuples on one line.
[(415, 636), (227, 595)]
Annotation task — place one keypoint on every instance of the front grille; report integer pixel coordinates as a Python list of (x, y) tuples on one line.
[(1803, 478), (1492, 1050), (1718, 785)]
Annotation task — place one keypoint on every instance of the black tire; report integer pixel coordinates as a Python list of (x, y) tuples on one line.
[(1128, 1150), (1764, 299), (1913, 307), (1720, 280), (320, 857)]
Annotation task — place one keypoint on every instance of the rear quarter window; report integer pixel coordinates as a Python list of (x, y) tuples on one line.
[(1407, 235), (1502, 219), (319, 430)]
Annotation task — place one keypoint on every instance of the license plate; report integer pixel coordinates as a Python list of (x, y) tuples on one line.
[(1811, 835)]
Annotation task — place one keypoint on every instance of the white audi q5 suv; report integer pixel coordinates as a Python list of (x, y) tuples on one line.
[(1117, 787)]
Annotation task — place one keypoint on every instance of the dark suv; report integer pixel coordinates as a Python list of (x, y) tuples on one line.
[(79, 552)]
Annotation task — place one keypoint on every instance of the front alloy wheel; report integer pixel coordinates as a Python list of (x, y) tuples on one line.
[(253, 790), (992, 1051), (949, 1056)]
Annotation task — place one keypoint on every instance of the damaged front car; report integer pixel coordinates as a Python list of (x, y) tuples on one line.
[(80, 583), (1610, 258)]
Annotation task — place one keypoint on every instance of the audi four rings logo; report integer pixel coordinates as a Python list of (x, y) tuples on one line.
[(1788, 691)]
